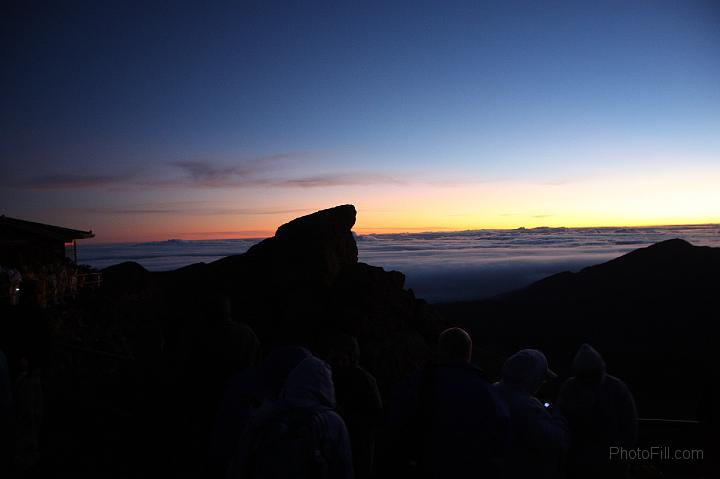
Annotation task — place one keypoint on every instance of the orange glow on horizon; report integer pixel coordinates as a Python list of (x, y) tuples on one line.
[(673, 198)]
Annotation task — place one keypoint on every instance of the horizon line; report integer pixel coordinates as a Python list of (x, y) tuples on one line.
[(401, 232)]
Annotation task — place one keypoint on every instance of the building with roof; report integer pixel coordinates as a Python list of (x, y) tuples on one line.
[(44, 254), (27, 244)]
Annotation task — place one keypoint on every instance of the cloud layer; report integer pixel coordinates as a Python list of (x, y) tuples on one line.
[(442, 266)]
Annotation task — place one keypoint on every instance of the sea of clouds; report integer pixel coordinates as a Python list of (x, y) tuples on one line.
[(440, 266)]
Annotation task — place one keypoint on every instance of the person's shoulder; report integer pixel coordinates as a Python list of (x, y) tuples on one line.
[(479, 377), (479, 372), (475, 381), (518, 400), (330, 415), (329, 423), (535, 405), (570, 384), (616, 384), (610, 379), (569, 381), (269, 411), (359, 375), (367, 375), (469, 371)]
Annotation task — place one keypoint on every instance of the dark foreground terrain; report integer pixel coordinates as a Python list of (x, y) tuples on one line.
[(652, 312), (135, 370)]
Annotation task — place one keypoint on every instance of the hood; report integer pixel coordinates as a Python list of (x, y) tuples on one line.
[(310, 384), (276, 368), (588, 362), (526, 370)]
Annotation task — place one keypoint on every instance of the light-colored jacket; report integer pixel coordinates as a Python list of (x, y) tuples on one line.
[(539, 439), (308, 387)]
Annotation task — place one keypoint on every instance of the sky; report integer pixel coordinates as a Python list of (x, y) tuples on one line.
[(154, 120)]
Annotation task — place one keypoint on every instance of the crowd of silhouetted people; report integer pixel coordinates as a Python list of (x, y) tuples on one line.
[(293, 414), (296, 415)]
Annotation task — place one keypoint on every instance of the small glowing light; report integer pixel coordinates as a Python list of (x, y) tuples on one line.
[(17, 290), (547, 404)]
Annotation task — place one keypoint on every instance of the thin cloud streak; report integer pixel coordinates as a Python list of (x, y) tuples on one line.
[(67, 181), (193, 211), (239, 234), (338, 180), (259, 172), (528, 216)]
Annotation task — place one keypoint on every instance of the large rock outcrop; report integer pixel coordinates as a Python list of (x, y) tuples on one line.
[(302, 286)]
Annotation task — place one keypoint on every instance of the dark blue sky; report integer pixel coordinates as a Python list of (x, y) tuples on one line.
[(179, 118)]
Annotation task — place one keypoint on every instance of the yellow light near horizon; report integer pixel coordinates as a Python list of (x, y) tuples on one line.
[(676, 197), (628, 201)]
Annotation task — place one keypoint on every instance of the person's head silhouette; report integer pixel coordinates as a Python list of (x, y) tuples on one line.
[(455, 346)]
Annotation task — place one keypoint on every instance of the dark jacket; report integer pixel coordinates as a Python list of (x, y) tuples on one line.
[(601, 413), (450, 422), (360, 405)]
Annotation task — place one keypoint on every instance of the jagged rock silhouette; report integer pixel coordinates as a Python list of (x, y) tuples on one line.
[(301, 286)]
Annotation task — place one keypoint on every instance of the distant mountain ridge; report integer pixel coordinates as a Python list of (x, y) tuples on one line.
[(670, 264)]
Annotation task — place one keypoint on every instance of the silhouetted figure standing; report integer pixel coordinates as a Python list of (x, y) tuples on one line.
[(707, 414), (600, 411), (448, 419), (6, 442), (211, 348), (539, 438), (29, 415), (359, 402), (246, 392), (30, 356), (300, 436)]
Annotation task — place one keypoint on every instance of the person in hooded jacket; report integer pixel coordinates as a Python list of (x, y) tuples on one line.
[(539, 438), (601, 413), (245, 392), (307, 397)]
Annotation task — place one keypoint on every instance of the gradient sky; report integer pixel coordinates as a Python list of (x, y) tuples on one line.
[(213, 120)]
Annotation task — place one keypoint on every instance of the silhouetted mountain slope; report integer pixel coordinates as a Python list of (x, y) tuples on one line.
[(672, 267), (301, 286), (652, 312)]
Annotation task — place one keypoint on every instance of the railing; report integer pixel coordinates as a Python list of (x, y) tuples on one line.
[(89, 280), (667, 421), (73, 349)]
